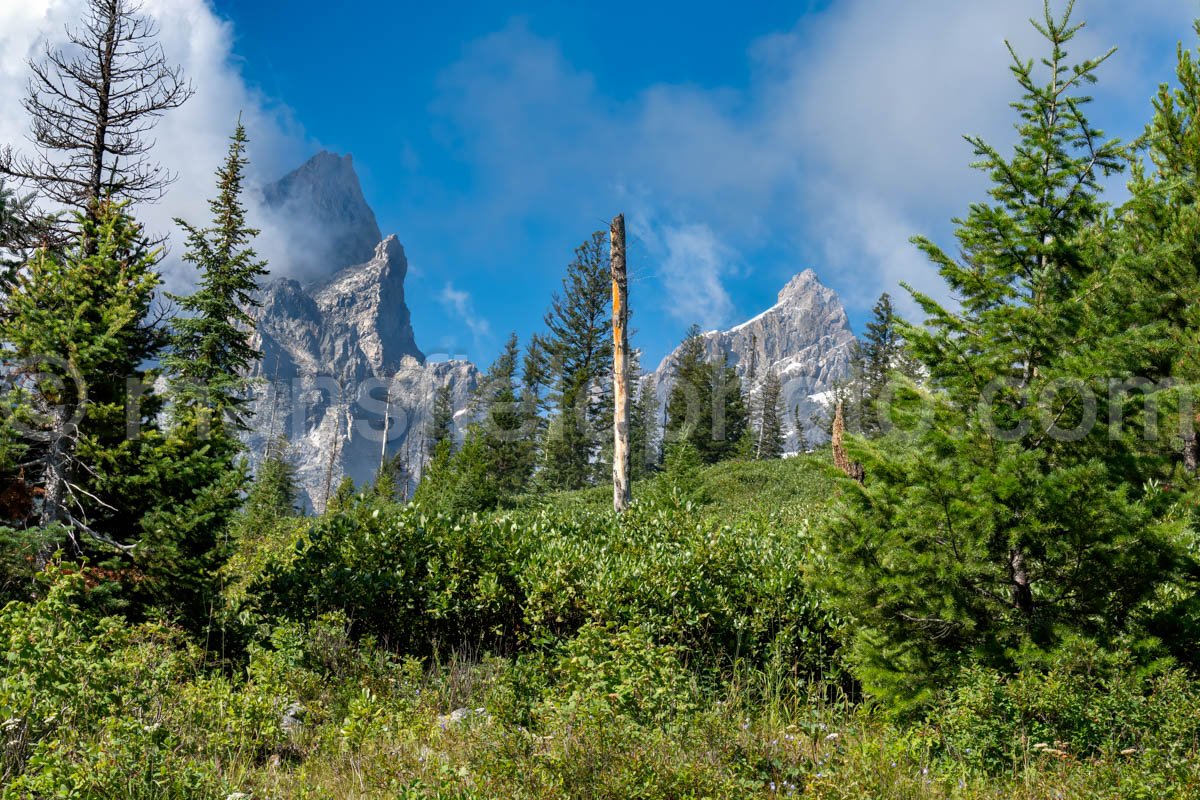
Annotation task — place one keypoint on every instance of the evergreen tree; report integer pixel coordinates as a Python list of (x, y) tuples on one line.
[(979, 534), (645, 431), (22, 230), (1154, 299), (495, 461), (441, 421), (211, 351), (802, 444), (706, 407), (580, 358), (768, 418), (880, 355), (505, 427), (535, 373), (391, 479), (274, 492), (535, 403), (730, 416), (686, 402), (77, 326), (87, 421)]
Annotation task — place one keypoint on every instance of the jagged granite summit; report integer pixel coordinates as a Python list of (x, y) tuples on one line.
[(805, 338), (350, 326), (322, 207), (341, 376)]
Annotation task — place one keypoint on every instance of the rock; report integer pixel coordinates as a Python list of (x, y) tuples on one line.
[(322, 207), (337, 355), (292, 718), (459, 715), (805, 337)]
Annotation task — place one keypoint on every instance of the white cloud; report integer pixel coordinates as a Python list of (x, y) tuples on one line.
[(846, 141), (459, 304), (190, 141), (690, 262)]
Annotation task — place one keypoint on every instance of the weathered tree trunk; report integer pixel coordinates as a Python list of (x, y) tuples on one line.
[(841, 458), (620, 295), (334, 448), (1191, 446), (54, 481), (1022, 592), (387, 427), (55, 476)]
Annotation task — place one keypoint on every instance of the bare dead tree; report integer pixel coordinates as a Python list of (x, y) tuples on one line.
[(620, 318), (92, 106)]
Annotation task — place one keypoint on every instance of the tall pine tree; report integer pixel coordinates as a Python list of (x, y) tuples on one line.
[(706, 407), (77, 327), (768, 418), (211, 351), (580, 358), (441, 421), (1006, 519), (495, 461)]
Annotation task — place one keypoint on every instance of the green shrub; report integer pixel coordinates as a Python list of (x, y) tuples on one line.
[(423, 583), (1080, 702), (82, 702), (606, 671)]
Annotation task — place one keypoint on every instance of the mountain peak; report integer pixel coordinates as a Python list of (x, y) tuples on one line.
[(800, 285), (321, 205), (805, 339)]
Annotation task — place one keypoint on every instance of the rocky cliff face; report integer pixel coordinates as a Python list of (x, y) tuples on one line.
[(341, 375), (805, 337)]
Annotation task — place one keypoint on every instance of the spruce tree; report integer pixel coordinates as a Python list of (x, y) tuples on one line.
[(441, 421), (1155, 298), (495, 461), (274, 491), (211, 351), (645, 431), (730, 418), (687, 401), (535, 403), (768, 418), (505, 426), (22, 230), (580, 358), (881, 354), (986, 530), (77, 329), (706, 407)]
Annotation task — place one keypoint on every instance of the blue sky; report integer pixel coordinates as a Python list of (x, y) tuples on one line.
[(744, 142)]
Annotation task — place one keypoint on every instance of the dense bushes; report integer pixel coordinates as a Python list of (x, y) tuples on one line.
[(1083, 703), (421, 582)]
